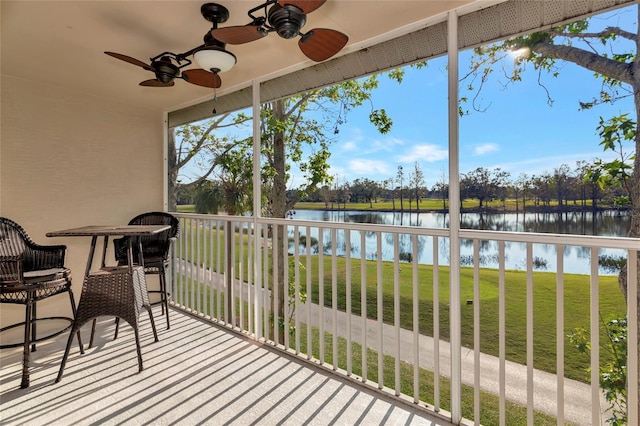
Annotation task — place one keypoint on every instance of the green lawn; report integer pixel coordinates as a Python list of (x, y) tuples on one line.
[(576, 303)]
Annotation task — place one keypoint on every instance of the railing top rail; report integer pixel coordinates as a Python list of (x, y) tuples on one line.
[(507, 236), (548, 238)]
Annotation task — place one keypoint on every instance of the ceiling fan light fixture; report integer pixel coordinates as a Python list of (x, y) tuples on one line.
[(215, 59)]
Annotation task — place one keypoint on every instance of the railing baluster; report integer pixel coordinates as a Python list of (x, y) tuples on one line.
[(502, 352), (416, 319), (210, 264), (296, 254), (396, 313), (632, 338), (560, 333), (334, 297), (380, 324), (192, 269), (347, 241), (219, 271), (241, 273), (266, 294), (275, 284), (309, 298), (530, 334), (251, 285), (476, 331), (363, 303), (436, 325), (321, 293), (285, 286), (595, 339)]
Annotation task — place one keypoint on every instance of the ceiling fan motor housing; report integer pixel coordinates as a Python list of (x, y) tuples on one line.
[(165, 71), (287, 20)]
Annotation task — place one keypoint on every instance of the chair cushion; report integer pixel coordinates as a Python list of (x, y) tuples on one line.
[(45, 274)]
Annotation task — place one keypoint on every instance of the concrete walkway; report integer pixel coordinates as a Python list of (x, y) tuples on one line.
[(577, 395)]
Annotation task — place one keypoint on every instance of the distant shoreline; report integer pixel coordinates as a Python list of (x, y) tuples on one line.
[(487, 210)]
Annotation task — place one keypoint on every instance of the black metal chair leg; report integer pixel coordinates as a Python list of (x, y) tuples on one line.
[(74, 311), (137, 335), (163, 295), (153, 324), (93, 332), (115, 335), (66, 351), (27, 342), (34, 315)]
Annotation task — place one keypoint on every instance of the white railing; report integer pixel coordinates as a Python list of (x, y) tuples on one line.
[(515, 326)]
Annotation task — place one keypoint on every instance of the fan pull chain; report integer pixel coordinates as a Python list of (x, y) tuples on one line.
[(215, 98)]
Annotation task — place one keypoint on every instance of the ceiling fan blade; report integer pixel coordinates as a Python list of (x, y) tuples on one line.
[(320, 44), (239, 34), (156, 83), (129, 59), (307, 6), (202, 78)]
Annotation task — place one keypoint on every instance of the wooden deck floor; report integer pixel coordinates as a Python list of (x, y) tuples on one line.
[(197, 373)]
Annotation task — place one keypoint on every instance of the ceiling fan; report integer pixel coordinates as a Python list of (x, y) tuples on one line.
[(286, 18), (210, 56)]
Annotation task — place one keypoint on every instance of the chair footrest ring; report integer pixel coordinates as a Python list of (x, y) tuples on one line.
[(39, 339)]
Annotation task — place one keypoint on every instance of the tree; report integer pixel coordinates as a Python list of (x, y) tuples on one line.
[(417, 182), (203, 144), (522, 186), (615, 63), (399, 179), (477, 184), (288, 126)]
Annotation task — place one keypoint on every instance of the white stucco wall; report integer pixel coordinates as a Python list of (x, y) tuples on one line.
[(69, 159)]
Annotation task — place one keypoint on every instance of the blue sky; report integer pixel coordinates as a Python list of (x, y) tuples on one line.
[(519, 132)]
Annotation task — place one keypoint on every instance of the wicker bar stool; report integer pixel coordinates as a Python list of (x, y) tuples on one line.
[(113, 291), (30, 272)]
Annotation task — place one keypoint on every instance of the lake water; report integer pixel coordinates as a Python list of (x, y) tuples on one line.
[(576, 259)]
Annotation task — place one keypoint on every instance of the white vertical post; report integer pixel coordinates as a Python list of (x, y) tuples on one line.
[(454, 219), (633, 416), (257, 182)]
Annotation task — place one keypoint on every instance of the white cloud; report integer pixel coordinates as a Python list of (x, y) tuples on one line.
[(424, 153), (389, 144), (349, 146), (485, 149), (358, 167)]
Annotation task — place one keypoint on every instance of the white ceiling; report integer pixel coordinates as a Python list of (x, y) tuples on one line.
[(62, 42)]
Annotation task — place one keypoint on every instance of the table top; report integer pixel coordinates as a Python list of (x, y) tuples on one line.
[(105, 230)]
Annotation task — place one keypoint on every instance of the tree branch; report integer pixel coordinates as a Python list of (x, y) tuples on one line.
[(591, 61), (606, 32)]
